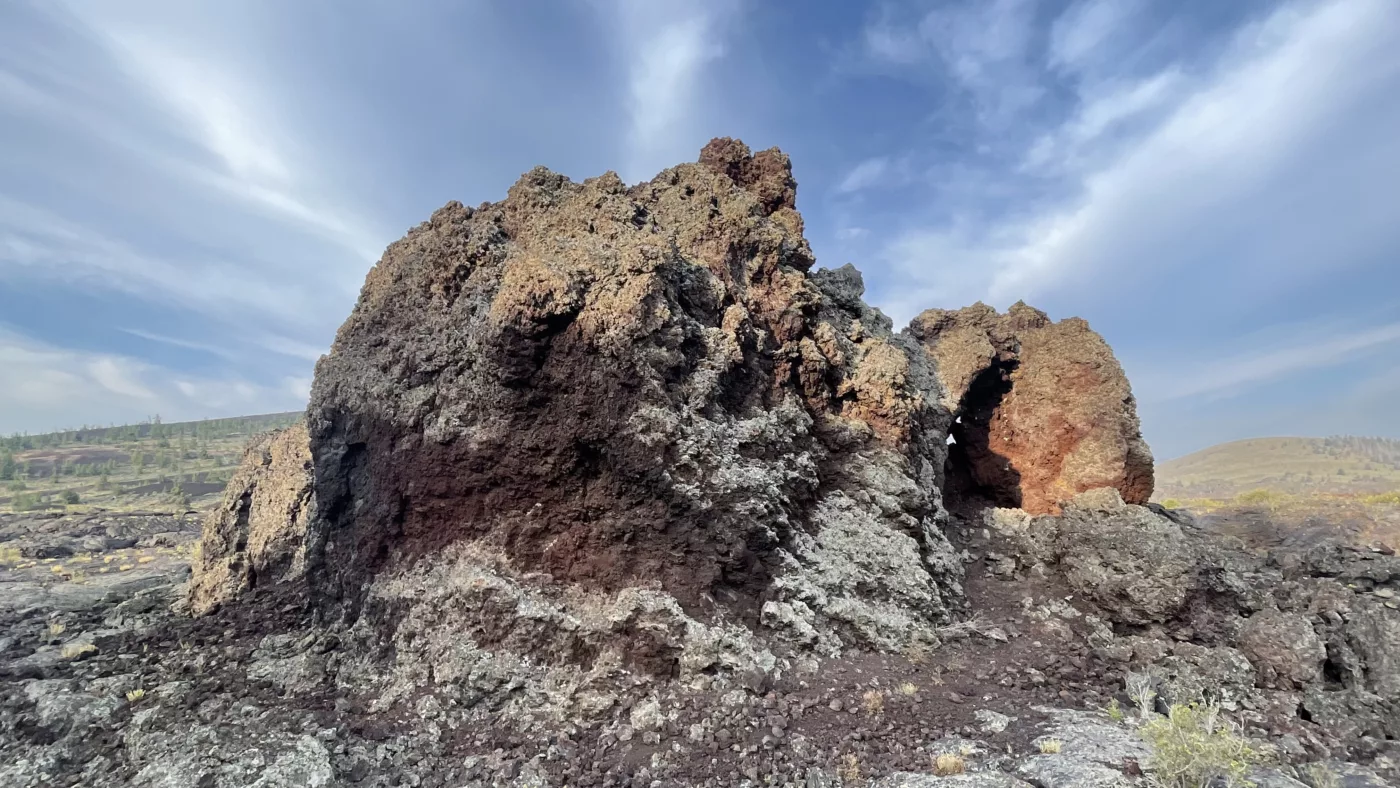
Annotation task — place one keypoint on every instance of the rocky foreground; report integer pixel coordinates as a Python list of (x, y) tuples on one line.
[(604, 485)]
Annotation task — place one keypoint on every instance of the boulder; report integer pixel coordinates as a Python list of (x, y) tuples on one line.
[(257, 535), (1043, 408), (1284, 649)]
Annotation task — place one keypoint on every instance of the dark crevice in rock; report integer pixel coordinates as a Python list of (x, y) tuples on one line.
[(974, 468)]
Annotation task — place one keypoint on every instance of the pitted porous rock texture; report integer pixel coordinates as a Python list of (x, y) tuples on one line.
[(1043, 409), (638, 387), (258, 534)]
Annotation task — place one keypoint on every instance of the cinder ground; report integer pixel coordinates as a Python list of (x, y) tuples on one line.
[(102, 683)]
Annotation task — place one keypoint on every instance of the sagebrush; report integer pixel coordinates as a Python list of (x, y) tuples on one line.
[(1194, 746)]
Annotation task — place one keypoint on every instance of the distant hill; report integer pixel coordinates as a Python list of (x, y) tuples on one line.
[(1300, 466), (145, 466)]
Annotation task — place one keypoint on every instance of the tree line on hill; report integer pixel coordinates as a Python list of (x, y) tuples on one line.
[(150, 444), (1384, 451)]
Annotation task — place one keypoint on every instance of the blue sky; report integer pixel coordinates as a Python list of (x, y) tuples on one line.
[(192, 192)]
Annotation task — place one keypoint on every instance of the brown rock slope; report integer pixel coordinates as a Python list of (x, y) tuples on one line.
[(1043, 409)]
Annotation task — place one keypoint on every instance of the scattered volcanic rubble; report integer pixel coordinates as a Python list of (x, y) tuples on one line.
[(604, 485)]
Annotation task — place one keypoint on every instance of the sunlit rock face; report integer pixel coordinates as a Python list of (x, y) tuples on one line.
[(1043, 410)]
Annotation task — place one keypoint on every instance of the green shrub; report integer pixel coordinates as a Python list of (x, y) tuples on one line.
[(1259, 497), (1195, 747), (23, 502), (70, 497)]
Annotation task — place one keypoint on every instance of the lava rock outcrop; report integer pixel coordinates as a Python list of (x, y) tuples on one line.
[(613, 387), (1043, 410), (258, 533), (608, 389)]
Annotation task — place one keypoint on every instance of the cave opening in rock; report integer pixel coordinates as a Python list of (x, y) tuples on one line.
[(976, 474)]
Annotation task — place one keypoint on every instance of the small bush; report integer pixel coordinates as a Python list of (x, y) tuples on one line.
[(1195, 747), (24, 502), (1259, 497), (132, 696), (1051, 746), (57, 628), (874, 702), (1139, 687), (850, 769), (10, 555), (1171, 503), (1319, 776), (947, 764), (77, 650), (1115, 711), (908, 689), (1383, 498), (70, 497)]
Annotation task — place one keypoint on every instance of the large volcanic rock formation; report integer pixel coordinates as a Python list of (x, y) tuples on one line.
[(614, 387), (646, 395), (1042, 409), (576, 444)]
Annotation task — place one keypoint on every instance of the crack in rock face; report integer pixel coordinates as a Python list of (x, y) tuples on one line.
[(614, 388)]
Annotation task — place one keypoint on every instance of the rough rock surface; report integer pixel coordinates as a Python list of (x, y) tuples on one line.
[(258, 533), (1043, 409), (1284, 648)]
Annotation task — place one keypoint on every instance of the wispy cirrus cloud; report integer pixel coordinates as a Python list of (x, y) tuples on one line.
[(668, 47), (1309, 350), (61, 387), (1132, 162), (864, 175)]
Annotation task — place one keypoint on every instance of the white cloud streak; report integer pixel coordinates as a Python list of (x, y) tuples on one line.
[(668, 47), (1223, 376), (49, 388), (864, 175), (1221, 141)]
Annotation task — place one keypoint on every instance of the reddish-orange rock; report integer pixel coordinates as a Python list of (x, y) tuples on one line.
[(1043, 409)]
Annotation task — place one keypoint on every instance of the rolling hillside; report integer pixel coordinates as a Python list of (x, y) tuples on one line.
[(1299, 466), (151, 465)]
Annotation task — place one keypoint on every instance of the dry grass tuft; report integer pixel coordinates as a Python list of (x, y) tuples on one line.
[(874, 702), (948, 764), (917, 654), (1051, 746), (77, 650), (849, 769)]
